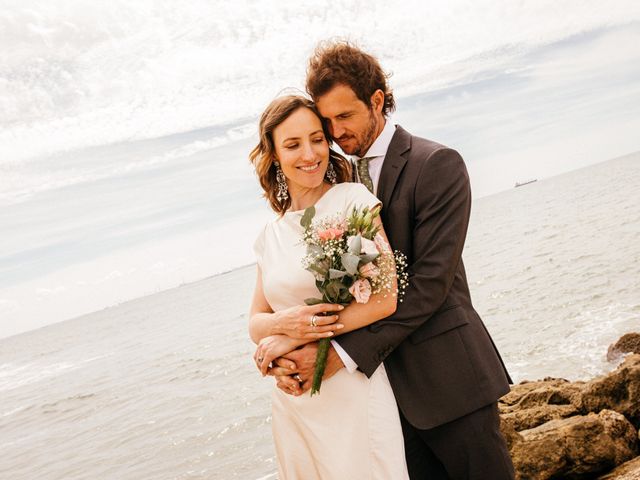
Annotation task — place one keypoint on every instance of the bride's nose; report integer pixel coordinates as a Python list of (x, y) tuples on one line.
[(307, 151)]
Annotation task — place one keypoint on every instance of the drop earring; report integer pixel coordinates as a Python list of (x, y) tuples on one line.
[(331, 176), (283, 192)]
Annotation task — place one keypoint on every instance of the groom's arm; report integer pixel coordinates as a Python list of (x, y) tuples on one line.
[(442, 208)]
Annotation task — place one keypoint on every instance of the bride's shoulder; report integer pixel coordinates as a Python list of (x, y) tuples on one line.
[(350, 188), (357, 194)]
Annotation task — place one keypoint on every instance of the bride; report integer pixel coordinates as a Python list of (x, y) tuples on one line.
[(351, 430)]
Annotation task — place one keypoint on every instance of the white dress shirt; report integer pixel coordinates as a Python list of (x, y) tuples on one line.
[(376, 153)]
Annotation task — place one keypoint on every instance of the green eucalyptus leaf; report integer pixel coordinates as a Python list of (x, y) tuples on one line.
[(317, 269), (333, 273), (309, 213), (313, 301), (333, 290), (345, 297), (350, 262), (355, 245)]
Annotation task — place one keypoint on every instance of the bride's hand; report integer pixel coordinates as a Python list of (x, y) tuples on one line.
[(272, 347), (307, 323)]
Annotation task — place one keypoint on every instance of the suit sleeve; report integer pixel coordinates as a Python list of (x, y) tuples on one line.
[(442, 200)]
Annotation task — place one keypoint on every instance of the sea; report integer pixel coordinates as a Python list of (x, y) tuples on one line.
[(163, 386)]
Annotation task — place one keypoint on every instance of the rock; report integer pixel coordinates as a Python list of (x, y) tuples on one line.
[(536, 416), (627, 471), (556, 429), (533, 403), (577, 447), (619, 391), (509, 432), (628, 343)]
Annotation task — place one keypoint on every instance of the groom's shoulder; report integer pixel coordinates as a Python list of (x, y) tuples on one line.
[(422, 147)]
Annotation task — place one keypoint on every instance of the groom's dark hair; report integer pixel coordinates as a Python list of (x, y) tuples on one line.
[(339, 62)]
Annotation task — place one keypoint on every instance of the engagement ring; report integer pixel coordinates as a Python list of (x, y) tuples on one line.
[(313, 321), (297, 377), (260, 359)]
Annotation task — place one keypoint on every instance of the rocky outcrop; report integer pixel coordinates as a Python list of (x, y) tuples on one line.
[(627, 471), (574, 447), (619, 391), (530, 404), (628, 343), (556, 429)]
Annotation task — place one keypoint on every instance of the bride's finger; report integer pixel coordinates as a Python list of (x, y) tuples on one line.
[(317, 336), (264, 365), (323, 332), (328, 320), (325, 307), (262, 359)]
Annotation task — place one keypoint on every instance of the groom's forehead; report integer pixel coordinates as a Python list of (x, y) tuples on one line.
[(337, 100)]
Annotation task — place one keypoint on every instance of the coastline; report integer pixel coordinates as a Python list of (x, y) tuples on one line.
[(567, 430)]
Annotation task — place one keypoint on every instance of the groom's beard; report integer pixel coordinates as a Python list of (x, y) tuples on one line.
[(367, 139)]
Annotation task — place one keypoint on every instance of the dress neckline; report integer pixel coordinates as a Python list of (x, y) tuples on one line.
[(292, 212)]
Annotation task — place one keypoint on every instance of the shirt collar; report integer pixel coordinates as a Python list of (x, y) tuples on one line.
[(381, 144)]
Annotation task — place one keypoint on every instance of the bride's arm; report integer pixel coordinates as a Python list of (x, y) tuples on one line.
[(294, 322), (354, 316), (381, 305)]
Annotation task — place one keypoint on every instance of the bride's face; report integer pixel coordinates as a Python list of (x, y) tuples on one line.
[(302, 150)]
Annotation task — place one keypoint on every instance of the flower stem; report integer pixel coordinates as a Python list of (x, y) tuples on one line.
[(321, 363)]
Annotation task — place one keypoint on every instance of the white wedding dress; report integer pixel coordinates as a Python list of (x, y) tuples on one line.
[(351, 429)]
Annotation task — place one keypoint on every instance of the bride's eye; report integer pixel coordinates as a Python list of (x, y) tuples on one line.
[(291, 146), (318, 140)]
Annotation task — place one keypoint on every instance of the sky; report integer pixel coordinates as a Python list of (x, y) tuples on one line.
[(77, 73)]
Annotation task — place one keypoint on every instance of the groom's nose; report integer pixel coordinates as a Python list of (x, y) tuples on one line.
[(335, 129)]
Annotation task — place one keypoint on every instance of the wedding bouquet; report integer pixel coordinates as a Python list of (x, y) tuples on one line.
[(350, 261)]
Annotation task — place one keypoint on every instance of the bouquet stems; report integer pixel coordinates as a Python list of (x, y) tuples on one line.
[(321, 363)]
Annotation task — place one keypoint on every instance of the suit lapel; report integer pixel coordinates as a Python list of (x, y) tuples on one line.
[(393, 164)]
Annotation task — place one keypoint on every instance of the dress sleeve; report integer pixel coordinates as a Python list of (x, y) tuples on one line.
[(258, 246), (359, 196)]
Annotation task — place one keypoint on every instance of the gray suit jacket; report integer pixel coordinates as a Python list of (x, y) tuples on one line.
[(440, 359)]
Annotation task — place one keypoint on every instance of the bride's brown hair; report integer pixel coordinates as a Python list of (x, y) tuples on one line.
[(263, 155)]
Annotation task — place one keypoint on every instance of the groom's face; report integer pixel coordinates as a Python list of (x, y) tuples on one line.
[(353, 124)]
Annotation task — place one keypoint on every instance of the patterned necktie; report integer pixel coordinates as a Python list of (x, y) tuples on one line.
[(362, 165)]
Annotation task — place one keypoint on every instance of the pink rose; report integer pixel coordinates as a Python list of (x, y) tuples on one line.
[(361, 290), (369, 270), (330, 234)]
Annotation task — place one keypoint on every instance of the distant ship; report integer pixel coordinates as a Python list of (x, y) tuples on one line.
[(525, 183)]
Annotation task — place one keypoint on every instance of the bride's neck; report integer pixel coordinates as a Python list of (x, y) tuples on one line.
[(304, 198)]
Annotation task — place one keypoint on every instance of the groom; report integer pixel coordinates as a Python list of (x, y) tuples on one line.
[(443, 367)]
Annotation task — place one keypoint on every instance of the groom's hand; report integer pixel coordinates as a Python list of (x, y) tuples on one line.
[(294, 371)]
